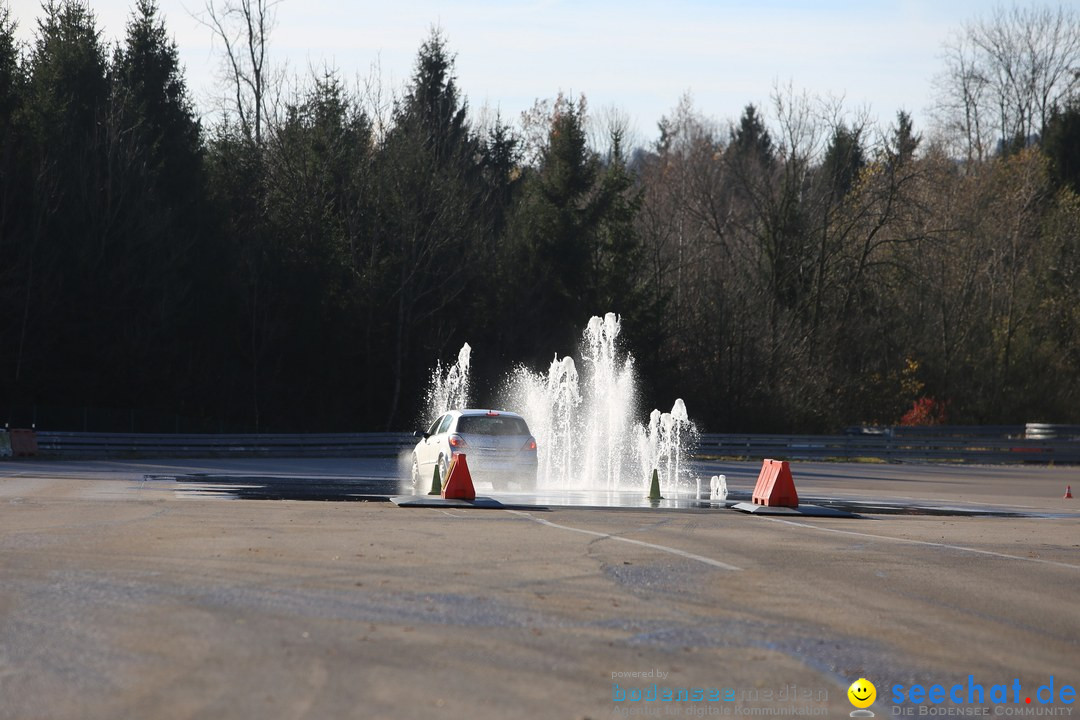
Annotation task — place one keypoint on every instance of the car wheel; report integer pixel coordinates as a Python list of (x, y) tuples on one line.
[(444, 469), (416, 475)]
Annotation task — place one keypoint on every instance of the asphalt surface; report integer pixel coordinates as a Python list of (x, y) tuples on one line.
[(180, 589)]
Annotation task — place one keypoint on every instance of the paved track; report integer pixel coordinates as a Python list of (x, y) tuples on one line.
[(121, 597)]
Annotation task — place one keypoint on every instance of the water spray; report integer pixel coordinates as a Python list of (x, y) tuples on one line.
[(583, 422), (449, 389)]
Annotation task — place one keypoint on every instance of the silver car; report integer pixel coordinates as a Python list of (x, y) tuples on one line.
[(498, 444)]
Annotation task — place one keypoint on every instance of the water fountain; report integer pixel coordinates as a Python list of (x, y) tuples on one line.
[(449, 388), (664, 444), (583, 423)]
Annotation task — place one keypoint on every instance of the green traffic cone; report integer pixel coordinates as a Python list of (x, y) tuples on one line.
[(654, 489), (436, 482)]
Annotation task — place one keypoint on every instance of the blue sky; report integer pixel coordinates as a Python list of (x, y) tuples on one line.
[(639, 56)]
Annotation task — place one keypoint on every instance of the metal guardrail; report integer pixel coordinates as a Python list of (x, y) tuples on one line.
[(101, 445), (900, 447), (1031, 431), (891, 448)]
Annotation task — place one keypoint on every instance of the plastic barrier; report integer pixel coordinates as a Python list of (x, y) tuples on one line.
[(5, 444), (23, 443), (775, 487)]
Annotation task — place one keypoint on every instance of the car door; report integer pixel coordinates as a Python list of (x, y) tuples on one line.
[(427, 451), (433, 444)]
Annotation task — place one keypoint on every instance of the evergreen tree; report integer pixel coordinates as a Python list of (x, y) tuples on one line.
[(243, 280), (902, 142), (318, 212), (11, 74), (844, 159), (432, 108), (158, 143), (574, 242), (15, 245), (751, 140), (68, 84), (1062, 146), (152, 92), (429, 195), (66, 335), (552, 294)]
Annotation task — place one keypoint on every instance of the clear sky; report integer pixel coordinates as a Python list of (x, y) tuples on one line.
[(640, 56)]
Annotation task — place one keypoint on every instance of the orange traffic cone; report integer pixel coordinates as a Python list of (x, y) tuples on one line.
[(775, 487), (1068, 492), (458, 485)]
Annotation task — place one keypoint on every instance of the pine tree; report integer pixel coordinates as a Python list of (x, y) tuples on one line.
[(751, 140), (429, 191), (844, 159), (156, 141), (902, 142), (151, 90), (15, 216), (1062, 146), (65, 115)]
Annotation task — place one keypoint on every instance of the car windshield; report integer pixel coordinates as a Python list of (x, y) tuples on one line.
[(491, 425)]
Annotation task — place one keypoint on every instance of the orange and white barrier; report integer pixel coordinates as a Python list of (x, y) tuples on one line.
[(775, 487), (23, 443)]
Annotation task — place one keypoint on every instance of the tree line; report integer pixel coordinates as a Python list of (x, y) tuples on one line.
[(301, 259)]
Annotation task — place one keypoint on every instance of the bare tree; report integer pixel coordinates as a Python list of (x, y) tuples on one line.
[(377, 100), (1004, 74), (608, 124), (244, 27), (961, 89), (535, 125)]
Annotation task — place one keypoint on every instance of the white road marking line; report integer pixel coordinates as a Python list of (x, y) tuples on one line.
[(651, 546), (924, 542)]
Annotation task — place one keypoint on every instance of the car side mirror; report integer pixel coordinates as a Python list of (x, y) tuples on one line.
[(419, 434)]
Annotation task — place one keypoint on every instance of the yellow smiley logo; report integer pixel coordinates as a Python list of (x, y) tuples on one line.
[(862, 693)]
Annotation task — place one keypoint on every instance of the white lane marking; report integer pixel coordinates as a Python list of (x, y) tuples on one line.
[(651, 546), (924, 542)]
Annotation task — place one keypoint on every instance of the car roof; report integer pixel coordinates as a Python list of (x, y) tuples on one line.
[(476, 411)]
